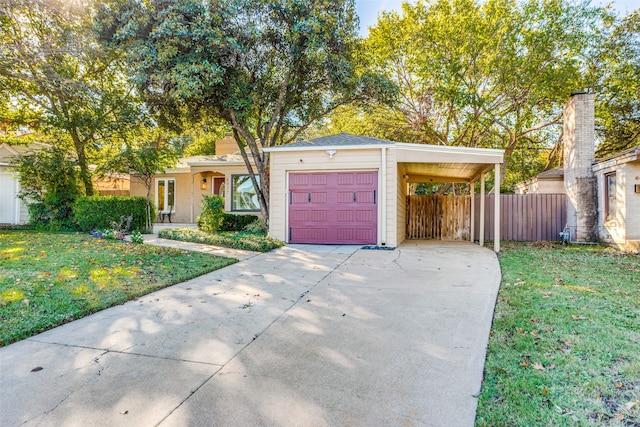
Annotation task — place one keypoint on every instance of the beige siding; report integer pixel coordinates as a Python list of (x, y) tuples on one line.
[(622, 231), (284, 162), (393, 235), (401, 202)]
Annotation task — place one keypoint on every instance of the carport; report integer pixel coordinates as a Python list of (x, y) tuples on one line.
[(349, 189)]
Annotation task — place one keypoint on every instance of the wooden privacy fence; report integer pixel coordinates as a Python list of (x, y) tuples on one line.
[(523, 217), (438, 217)]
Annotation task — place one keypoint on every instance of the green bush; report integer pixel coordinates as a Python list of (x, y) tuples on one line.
[(231, 222), (257, 226), (210, 219), (257, 242), (49, 185), (98, 212)]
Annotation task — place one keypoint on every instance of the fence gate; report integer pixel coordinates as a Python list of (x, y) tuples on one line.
[(438, 217)]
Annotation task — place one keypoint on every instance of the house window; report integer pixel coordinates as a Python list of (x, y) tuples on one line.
[(610, 196), (244, 197), (166, 194)]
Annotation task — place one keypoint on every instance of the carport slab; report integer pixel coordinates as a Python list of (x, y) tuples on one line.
[(390, 338)]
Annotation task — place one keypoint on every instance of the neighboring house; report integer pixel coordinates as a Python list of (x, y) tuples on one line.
[(13, 210), (113, 184), (618, 199), (179, 191), (348, 189), (548, 182), (603, 195)]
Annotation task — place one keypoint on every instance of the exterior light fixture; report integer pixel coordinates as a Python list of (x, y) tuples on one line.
[(203, 184), (331, 153)]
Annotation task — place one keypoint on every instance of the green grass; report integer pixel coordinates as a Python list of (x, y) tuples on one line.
[(257, 242), (565, 340), (47, 279)]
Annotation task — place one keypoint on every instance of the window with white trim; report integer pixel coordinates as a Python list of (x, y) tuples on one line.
[(610, 196), (166, 195), (243, 195)]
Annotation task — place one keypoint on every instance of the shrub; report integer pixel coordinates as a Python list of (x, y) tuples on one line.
[(49, 185), (231, 222), (99, 212), (257, 242), (257, 226), (136, 237), (212, 214)]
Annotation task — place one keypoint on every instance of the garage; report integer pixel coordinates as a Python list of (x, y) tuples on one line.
[(353, 189), (333, 207)]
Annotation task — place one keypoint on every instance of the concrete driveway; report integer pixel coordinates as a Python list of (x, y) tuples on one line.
[(301, 336)]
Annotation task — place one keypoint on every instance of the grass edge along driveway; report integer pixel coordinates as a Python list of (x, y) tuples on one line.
[(47, 279), (565, 340)]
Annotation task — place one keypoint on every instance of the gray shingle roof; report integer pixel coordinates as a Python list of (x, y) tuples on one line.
[(339, 140)]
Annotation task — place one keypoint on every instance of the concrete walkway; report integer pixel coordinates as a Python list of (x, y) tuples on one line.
[(304, 335)]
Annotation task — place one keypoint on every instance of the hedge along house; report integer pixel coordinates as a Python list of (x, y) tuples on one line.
[(177, 193), (348, 189)]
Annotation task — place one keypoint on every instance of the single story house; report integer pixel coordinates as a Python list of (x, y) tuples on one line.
[(177, 193), (618, 199), (338, 189)]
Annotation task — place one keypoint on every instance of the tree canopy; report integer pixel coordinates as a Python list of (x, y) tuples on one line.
[(269, 68), (492, 74), (51, 65)]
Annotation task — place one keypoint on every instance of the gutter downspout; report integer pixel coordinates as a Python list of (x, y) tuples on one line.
[(383, 197)]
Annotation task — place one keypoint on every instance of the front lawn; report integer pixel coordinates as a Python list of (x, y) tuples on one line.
[(47, 279), (249, 241), (565, 340)]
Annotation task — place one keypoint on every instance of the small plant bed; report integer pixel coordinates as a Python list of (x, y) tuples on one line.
[(245, 240), (47, 279), (565, 340)]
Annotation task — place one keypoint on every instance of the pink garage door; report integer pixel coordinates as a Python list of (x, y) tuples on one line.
[(333, 207)]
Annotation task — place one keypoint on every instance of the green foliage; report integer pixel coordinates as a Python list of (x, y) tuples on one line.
[(257, 242), (142, 161), (491, 74), (210, 219), (49, 185), (57, 76), (231, 222), (616, 75), (50, 279), (257, 226), (99, 212), (565, 338), (136, 237), (269, 68)]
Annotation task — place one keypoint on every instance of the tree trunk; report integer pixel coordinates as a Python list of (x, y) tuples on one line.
[(85, 174)]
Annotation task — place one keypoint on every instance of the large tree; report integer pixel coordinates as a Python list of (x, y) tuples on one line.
[(615, 72), (51, 64), (482, 74), (267, 67)]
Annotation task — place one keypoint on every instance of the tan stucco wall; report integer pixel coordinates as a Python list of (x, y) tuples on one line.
[(188, 189), (623, 231), (284, 162)]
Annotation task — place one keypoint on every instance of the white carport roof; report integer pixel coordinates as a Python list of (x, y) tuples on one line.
[(420, 162)]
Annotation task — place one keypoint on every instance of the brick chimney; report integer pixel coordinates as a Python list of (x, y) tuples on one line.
[(579, 155)]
